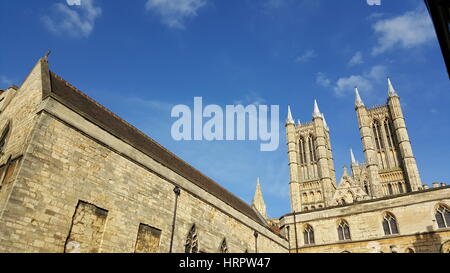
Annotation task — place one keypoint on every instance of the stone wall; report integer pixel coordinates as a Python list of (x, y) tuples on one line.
[(72, 169), (414, 213)]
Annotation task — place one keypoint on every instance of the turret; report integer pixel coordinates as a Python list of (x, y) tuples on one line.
[(369, 147), (293, 164), (323, 155), (404, 144)]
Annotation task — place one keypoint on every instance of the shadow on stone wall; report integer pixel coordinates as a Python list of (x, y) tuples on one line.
[(429, 242)]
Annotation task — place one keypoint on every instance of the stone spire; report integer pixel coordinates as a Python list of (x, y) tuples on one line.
[(352, 156), (358, 101), (299, 123), (325, 123), (391, 90), (316, 113), (289, 119), (258, 200)]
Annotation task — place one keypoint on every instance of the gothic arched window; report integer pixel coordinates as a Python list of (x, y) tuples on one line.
[(344, 231), (312, 149), (390, 224), (376, 134), (302, 151), (308, 235), (410, 250), (390, 137), (191, 245), (443, 217), (223, 246), (3, 137)]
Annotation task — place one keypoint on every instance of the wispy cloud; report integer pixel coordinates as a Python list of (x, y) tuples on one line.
[(251, 98), (5, 81), (174, 13), (155, 105), (323, 80), (409, 30), (306, 57), (345, 85), (356, 59), (77, 21)]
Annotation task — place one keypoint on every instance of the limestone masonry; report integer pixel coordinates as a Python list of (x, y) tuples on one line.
[(74, 177)]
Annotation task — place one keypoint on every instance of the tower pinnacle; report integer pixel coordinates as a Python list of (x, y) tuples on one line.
[(352, 156), (316, 113), (358, 101), (258, 200), (391, 90), (325, 123), (289, 119)]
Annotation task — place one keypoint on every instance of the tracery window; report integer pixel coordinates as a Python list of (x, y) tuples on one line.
[(302, 151), (223, 246), (191, 245), (390, 224), (377, 135), (312, 150), (443, 217), (308, 235), (344, 231)]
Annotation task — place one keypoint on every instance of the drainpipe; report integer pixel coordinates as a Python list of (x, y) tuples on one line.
[(256, 241), (177, 192), (289, 237), (296, 238)]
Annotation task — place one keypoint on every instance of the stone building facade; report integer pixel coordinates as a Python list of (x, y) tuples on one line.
[(77, 178), (74, 177), (381, 207)]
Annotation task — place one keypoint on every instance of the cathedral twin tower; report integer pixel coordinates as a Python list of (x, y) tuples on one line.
[(389, 169)]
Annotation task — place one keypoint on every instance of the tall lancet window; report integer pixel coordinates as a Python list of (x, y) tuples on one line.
[(191, 245), (301, 147), (343, 231), (443, 217), (390, 224), (223, 246), (377, 136), (390, 137), (308, 235), (312, 150)]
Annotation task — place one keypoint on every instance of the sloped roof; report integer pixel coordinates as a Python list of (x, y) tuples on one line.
[(79, 102)]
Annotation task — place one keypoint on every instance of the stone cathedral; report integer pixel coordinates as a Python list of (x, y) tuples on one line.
[(75, 177)]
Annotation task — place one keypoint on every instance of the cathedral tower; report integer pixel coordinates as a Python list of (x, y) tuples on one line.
[(390, 164), (313, 179)]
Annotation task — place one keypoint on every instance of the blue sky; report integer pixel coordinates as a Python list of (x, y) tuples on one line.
[(139, 58)]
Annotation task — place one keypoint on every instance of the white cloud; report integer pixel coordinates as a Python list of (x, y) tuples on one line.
[(322, 80), (173, 13), (5, 81), (346, 85), (75, 20), (150, 104), (409, 30), (356, 59), (251, 98), (307, 56)]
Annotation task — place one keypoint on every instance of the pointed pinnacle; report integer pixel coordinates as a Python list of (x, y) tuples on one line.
[(289, 119), (325, 123), (391, 90), (353, 157), (316, 113), (358, 100)]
